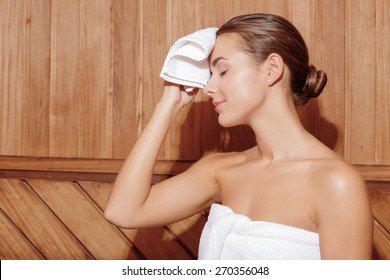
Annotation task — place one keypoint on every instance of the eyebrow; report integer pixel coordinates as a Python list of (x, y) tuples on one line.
[(215, 61)]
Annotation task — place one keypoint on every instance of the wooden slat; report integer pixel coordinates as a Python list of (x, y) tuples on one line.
[(154, 243), (181, 143), (95, 80), (154, 50), (112, 166), (380, 203), (65, 79), (328, 110), (83, 165), (35, 220), (13, 244), (80, 79), (277, 7), (374, 172), (381, 242), (36, 111), (361, 82), (235, 8), (84, 219), (382, 113), (189, 231), (14, 74), (126, 123)]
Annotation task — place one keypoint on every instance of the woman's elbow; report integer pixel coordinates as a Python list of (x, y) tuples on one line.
[(117, 219)]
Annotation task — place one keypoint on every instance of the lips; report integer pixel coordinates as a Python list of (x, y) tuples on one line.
[(217, 104)]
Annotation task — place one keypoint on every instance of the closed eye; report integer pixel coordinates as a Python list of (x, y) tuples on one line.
[(223, 73)]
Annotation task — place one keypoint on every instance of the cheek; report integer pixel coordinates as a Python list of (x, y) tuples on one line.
[(242, 86), (244, 96)]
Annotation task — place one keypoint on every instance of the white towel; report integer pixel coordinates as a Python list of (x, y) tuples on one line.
[(228, 235), (187, 61)]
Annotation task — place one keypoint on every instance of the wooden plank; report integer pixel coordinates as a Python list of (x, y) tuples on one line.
[(83, 165), (95, 79), (154, 50), (382, 113), (277, 7), (36, 111), (127, 78), (13, 244), (380, 203), (35, 220), (65, 79), (381, 243), (378, 186), (14, 75), (211, 13), (64, 176), (236, 8), (302, 15), (189, 231), (360, 94), (110, 167), (328, 110), (181, 136), (84, 219), (374, 172), (154, 243)]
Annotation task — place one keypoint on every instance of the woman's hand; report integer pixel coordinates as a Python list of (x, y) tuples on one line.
[(176, 95)]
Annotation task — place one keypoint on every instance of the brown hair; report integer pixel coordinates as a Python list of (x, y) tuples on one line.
[(263, 34)]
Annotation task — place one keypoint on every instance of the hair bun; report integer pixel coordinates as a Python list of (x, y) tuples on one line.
[(315, 83)]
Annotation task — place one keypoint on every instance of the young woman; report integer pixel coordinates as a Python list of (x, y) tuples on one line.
[(288, 183)]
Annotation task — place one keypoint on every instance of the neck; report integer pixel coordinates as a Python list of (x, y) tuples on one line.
[(279, 132)]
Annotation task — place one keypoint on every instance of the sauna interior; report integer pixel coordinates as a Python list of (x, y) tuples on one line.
[(80, 78)]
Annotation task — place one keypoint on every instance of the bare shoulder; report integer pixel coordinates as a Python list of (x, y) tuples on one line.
[(339, 178), (343, 212)]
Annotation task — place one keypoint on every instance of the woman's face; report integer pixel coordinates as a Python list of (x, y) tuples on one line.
[(237, 84)]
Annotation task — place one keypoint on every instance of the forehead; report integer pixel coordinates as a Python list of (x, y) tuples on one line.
[(225, 45)]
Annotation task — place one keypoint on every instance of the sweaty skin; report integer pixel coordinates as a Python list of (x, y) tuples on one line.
[(289, 177)]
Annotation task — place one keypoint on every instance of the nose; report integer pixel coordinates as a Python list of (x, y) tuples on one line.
[(210, 88)]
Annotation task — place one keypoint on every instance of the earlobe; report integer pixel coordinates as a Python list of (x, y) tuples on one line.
[(275, 68)]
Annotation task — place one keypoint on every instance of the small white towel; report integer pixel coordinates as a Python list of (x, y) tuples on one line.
[(187, 61), (228, 235)]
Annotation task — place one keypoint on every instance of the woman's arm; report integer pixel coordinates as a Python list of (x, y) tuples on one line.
[(344, 216), (133, 202)]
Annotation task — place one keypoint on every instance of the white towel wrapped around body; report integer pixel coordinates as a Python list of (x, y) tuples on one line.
[(187, 61), (228, 235)]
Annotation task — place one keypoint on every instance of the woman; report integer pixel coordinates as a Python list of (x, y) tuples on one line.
[(289, 180)]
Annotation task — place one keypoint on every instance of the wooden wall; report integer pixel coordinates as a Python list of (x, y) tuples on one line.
[(79, 80), (52, 219), (43, 219)]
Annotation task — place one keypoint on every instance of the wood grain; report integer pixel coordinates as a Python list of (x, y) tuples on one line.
[(80, 78), (126, 119), (36, 112), (360, 92), (84, 219), (381, 243), (65, 82), (28, 212), (14, 68), (382, 113), (380, 202), (155, 243), (13, 244), (37, 222)]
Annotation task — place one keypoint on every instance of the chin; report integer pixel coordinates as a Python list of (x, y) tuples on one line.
[(226, 123)]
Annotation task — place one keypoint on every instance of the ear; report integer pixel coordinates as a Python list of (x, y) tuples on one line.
[(275, 68)]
